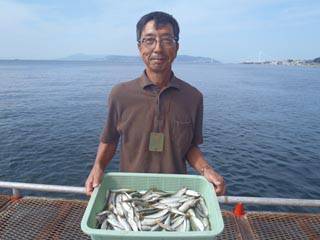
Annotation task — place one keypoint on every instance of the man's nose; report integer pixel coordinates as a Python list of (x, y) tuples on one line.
[(158, 47)]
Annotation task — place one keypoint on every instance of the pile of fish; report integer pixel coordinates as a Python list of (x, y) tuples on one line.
[(154, 210)]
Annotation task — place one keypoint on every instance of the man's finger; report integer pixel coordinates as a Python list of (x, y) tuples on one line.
[(96, 182), (219, 185), (89, 188), (223, 191), (219, 189)]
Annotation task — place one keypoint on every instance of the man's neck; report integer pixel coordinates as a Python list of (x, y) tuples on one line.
[(160, 79)]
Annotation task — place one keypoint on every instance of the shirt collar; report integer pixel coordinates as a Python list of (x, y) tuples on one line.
[(145, 81)]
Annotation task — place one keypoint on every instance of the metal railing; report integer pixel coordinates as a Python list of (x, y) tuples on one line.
[(16, 186), (270, 201)]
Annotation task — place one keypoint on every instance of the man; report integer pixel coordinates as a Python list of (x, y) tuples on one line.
[(157, 117)]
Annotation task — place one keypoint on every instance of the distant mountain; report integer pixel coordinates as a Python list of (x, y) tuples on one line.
[(134, 59), (81, 57), (187, 58), (316, 60)]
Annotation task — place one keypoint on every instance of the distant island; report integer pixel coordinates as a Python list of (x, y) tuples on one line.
[(134, 59), (288, 62)]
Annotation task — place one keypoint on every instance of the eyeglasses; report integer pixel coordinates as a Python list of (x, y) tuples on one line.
[(151, 42)]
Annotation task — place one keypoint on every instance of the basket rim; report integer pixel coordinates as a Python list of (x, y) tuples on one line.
[(100, 232)]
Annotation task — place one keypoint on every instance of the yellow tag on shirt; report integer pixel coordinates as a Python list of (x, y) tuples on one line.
[(156, 142)]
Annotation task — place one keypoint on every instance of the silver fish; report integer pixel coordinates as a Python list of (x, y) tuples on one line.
[(124, 223), (168, 220), (148, 211), (188, 204), (117, 228), (169, 204), (165, 227), (154, 210), (206, 223), (152, 221), (180, 192), (176, 211), (183, 226), (170, 200), (203, 207), (187, 229), (192, 193), (119, 205), (177, 222), (114, 223), (133, 224), (145, 228), (198, 211), (196, 224), (127, 208), (158, 214), (104, 224), (155, 228)]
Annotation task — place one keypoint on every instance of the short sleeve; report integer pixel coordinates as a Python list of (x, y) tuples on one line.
[(197, 136), (110, 133)]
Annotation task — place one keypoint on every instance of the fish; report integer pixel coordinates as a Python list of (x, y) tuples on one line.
[(187, 205), (196, 224), (153, 210), (158, 214), (180, 192), (203, 207), (151, 221), (192, 193)]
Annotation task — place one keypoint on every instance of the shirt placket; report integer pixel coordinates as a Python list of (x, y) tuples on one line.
[(159, 116)]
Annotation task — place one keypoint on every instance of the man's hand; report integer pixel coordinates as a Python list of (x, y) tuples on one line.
[(94, 179), (104, 155), (217, 180), (197, 161)]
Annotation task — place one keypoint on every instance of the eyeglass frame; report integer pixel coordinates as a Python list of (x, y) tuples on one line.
[(174, 41)]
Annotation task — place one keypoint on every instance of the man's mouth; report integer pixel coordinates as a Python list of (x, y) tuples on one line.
[(158, 61), (157, 58)]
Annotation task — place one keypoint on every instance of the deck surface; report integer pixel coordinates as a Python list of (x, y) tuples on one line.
[(44, 219)]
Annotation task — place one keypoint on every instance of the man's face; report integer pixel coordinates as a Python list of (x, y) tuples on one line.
[(158, 56)]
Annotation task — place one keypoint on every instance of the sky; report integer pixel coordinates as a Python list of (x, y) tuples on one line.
[(228, 31)]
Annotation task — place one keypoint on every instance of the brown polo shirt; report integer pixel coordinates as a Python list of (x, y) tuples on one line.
[(138, 107)]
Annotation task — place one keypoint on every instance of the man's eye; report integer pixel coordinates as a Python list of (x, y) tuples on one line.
[(149, 40), (166, 40)]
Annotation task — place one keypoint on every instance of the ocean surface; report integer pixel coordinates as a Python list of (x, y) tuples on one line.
[(261, 123)]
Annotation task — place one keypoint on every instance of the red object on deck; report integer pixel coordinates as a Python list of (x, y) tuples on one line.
[(15, 198), (238, 210)]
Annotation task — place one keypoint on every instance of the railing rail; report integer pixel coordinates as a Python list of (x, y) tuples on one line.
[(16, 186), (270, 201)]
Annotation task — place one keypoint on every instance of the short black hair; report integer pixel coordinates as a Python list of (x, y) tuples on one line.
[(160, 19)]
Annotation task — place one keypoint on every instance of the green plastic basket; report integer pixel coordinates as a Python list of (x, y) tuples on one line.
[(144, 181)]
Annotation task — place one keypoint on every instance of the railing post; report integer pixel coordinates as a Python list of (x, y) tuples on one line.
[(16, 193)]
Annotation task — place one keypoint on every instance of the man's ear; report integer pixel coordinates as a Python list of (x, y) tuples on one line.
[(139, 48), (177, 46)]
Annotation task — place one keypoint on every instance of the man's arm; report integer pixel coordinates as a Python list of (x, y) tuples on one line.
[(105, 153), (198, 162)]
